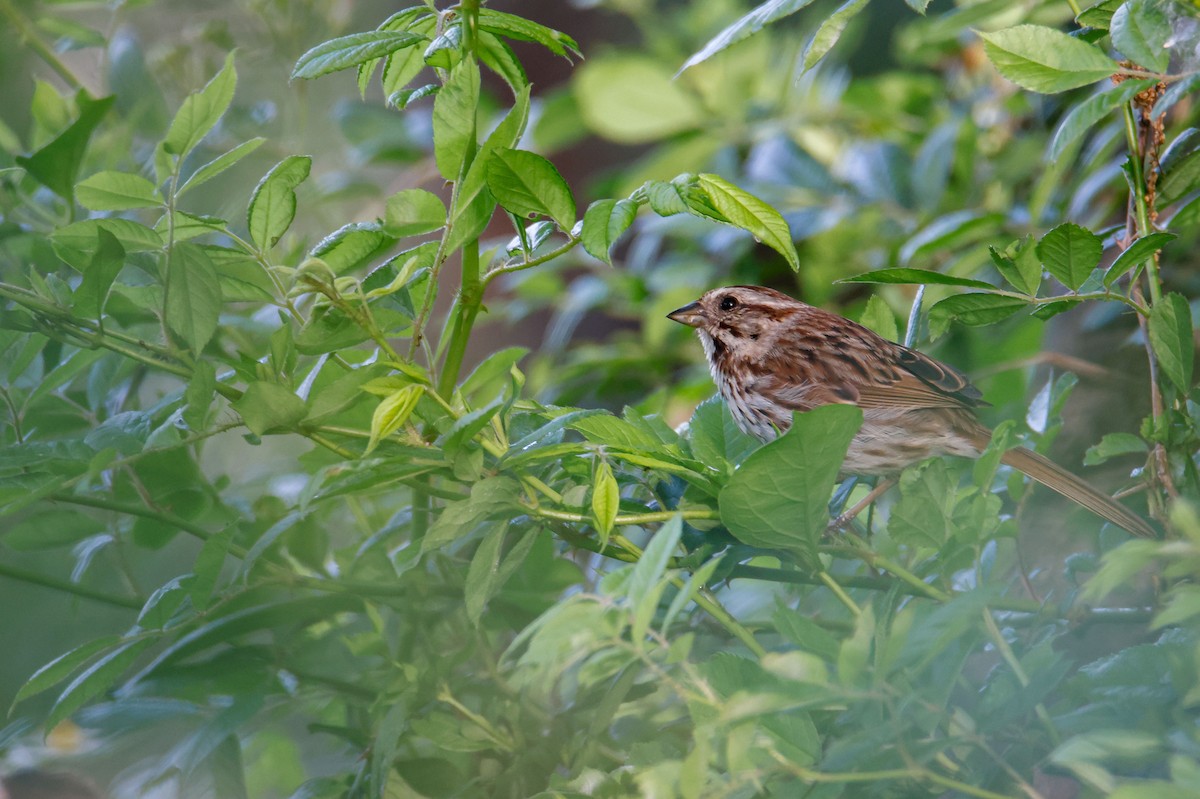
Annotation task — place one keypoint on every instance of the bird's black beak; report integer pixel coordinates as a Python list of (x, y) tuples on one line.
[(691, 315)]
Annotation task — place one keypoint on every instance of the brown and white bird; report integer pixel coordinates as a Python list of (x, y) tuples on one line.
[(771, 355)]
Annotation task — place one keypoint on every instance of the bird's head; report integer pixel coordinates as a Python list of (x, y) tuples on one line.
[(738, 319)]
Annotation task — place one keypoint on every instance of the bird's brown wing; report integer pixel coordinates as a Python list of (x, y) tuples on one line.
[(835, 360)]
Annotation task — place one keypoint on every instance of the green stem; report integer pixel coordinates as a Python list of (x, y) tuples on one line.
[(470, 296), (1010, 658), (827, 580), (65, 586), (31, 38), (492, 274)]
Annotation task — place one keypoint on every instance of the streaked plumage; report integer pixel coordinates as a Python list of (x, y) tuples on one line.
[(771, 355)]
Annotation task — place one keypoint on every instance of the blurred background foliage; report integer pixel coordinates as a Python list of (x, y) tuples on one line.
[(322, 647)]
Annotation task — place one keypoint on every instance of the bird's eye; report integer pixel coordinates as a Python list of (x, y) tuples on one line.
[(728, 302)]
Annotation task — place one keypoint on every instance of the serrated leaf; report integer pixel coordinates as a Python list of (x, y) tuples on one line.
[(975, 308), (219, 164), (116, 191), (1140, 30), (501, 59), (779, 497), (1099, 15), (1136, 254), (391, 414), (269, 407), (744, 27), (201, 111), (603, 223), (193, 301), (606, 500), (351, 246), (1113, 445), (273, 203), (1019, 265), (1083, 116), (830, 31), (1070, 253), (412, 212), (454, 119), (1171, 336), (908, 275), (352, 50), (751, 214), (717, 440), (1045, 60), (528, 185), (514, 27), (880, 318)]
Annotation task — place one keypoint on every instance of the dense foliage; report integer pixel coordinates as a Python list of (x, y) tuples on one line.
[(322, 531)]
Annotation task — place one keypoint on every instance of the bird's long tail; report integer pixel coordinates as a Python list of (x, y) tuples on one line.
[(1074, 488)]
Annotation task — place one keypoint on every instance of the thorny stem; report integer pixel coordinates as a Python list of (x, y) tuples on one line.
[(1143, 214)]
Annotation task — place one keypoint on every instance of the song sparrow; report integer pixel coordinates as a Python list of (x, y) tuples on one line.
[(771, 355)]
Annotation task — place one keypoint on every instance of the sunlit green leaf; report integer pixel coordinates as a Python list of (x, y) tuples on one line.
[(1045, 60)]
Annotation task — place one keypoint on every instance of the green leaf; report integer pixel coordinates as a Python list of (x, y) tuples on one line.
[(830, 31), (1141, 250), (652, 565), (1112, 445), (490, 496), (413, 212), (1099, 15), (923, 516), (779, 497), (76, 242), (855, 651), (454, 118), (400, 67), (1019, 265), (351, 246), (391, 414), (1046, 60), (1171, 337), (481, 577), (56, 166), (528, 185), (751, 214), (973, 309), (606, 500), (1179, 168), (201, 111), (501, 59), (219, 164), (744, 27), (603, 223), (474, 204), (95, 679), (61, 667), (880, 318), (349, 51), (1083, 116), (1140, 30), (632, 99), (716, 438), (106, 263), (116, 191), (909, 275), (269, 408), (273, 203), (514, 27), (193, 295), (1070, 253), (198, 395), (50, 530)]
